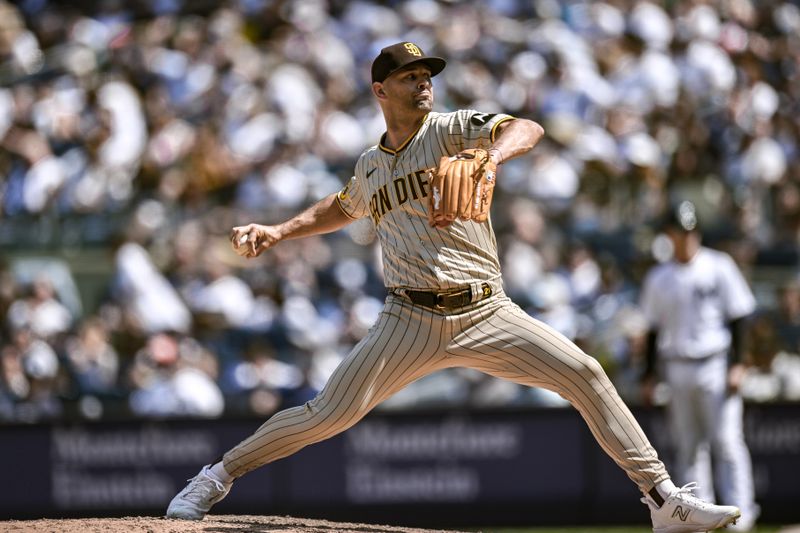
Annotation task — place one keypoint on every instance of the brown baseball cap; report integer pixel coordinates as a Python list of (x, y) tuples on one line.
[(397, 56)]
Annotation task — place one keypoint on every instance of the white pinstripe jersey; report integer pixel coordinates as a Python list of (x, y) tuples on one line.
[(392, 187), (690, 304)]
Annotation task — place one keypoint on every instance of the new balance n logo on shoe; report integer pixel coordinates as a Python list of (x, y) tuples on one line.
[(683, 511), (683, 515)]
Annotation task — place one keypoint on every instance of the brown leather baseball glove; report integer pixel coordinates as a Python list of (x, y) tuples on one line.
[(462, 187)]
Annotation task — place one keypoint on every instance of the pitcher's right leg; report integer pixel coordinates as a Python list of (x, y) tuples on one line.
[(405, 344), (400, 348)]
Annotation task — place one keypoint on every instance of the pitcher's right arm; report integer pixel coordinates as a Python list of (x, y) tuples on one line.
[(325, 216)]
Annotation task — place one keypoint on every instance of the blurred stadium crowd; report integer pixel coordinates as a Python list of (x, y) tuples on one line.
[(148, 129)]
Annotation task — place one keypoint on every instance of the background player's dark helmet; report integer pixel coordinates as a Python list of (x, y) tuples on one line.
[(682, 217)]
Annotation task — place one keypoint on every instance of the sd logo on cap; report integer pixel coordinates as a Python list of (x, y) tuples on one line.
[(397, 56)]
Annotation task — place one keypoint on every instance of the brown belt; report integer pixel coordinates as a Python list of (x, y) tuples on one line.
[(448, 300)]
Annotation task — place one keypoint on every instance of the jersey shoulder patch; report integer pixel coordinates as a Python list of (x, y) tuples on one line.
[(481, 119), (344, 194)]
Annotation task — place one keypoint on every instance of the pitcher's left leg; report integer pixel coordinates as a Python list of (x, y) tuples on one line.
[(504, 341), (507, 343)]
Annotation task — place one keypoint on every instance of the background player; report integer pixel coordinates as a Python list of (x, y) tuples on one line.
[(696, 304), (446, 306)]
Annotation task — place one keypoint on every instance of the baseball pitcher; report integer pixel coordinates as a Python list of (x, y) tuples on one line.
[(427, 187)]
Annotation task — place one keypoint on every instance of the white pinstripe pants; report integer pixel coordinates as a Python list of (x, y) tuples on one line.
[(494, 336)]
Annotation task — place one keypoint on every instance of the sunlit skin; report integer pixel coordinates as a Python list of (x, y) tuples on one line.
[(405, 97), (685, 244)]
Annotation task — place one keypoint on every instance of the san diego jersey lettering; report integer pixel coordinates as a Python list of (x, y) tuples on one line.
[(392, 187)]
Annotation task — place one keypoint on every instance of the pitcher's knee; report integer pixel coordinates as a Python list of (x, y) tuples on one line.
[(591, 370), (329, 417), (319, 413)]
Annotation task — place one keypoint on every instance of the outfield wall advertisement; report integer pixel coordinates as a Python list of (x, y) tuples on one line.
[(434, 469)]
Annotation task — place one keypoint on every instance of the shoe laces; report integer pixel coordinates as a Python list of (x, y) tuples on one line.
[(201, 479), (685, 493)]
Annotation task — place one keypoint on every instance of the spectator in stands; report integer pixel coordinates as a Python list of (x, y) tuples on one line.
[(32, 374), (14, 384), (179, 120), (174, 376), (40, 311), (93, 361), (786, 317), (148, 299), (773, 373)]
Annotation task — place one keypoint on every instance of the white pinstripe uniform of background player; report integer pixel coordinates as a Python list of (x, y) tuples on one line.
[(445, 306), (694, 303)]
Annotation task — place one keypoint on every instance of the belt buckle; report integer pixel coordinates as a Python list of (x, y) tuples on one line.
[(451, 299), (486, 291), (438, 300)]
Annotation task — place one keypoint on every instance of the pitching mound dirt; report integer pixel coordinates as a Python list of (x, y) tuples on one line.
[(212, 524)]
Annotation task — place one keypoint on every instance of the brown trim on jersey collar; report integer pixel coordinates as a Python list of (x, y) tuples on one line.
[(405, 143)]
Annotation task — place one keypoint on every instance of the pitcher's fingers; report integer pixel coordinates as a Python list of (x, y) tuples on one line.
[(236, 234), (252, 242)]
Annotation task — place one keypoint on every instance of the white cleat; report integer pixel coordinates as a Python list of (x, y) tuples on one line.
[(747, 522), (742, 526), (683, 512), (196, 498)]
